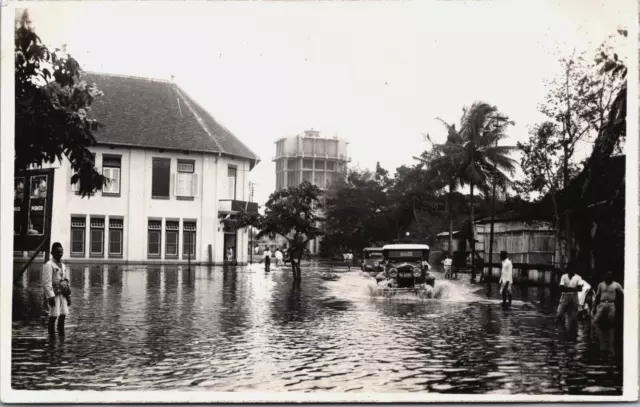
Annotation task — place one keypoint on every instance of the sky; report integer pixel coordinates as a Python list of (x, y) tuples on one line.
[(376, 73)]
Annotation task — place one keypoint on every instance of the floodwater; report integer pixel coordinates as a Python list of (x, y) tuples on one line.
[(241, 329)]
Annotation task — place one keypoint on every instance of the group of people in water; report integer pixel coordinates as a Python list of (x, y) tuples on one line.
[(577, 299)]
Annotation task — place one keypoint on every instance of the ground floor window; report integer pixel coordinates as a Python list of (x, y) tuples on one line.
[(78, 228), (115, 237), (172, 228), (189, 239), (154, 238), (97, 237)]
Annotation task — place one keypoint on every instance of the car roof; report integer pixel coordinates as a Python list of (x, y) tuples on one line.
[(372, 249), (405, 246)]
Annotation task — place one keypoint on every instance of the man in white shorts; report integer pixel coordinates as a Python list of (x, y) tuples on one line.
[(506, 279), (447, 262), (55, 284), (570, 285)]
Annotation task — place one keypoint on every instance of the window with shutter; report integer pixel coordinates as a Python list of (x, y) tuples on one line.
[(185, 179), (116, 236), (188, 240), (172, 229), (154, 238), (97, 237), (111, 170), (78, 229)]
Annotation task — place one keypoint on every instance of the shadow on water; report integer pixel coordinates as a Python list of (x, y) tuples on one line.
[(241, 329)]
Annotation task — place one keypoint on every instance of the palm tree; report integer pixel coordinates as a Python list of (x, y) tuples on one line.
[(471, 156)]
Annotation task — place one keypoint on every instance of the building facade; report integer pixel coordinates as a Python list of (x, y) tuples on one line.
[(174, 174), (311, 157)]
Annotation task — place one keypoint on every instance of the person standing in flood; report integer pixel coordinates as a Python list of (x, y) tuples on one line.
[(506, 279), (55, 284), (279, 257), (570, 286), (447, 266), (605, 303), (266, 257), (348, 259)]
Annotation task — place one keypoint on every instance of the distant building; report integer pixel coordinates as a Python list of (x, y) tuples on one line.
[(311, 157), (531, 243), (175, 173)]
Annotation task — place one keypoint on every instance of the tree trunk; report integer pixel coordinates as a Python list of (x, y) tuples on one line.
[(558, 248), (567, 218), (473, 238), (298, 275)]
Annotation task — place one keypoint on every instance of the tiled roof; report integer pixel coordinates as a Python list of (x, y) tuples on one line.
[(153, 113)]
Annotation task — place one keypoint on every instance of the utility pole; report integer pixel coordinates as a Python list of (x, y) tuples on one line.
[(251, 190), (493, 207)]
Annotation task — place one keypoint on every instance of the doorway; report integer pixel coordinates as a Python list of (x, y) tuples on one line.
[(230, 248)]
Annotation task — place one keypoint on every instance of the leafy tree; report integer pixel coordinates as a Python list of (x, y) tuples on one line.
[(471, 155), (291, 213), (358, 211), (580, 100), (52, 109)]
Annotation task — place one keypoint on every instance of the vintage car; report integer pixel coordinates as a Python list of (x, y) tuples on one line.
[(372, 259), (406, 268)]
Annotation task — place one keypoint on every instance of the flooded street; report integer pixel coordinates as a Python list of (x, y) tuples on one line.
[(152, 328)]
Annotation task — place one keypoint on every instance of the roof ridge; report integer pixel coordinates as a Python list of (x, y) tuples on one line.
[(199, 119), (146, 78)]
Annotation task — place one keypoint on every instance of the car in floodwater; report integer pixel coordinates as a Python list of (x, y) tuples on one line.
[(372, 259), (406, 269)]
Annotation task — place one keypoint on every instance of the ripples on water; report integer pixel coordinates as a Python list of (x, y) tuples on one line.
[(246, 330)]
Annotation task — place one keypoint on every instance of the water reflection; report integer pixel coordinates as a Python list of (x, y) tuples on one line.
[(240, 329)]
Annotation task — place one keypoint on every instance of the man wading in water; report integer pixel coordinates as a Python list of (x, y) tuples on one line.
[(55, 283), (266, 257), (506, 279), (570, 286), (605, 304)]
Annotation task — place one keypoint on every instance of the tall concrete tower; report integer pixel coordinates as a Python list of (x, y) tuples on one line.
[(311, 157)]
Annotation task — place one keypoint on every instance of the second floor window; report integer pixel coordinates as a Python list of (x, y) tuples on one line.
[(231, 181), (160, 178), (186, 180), (111, 170)]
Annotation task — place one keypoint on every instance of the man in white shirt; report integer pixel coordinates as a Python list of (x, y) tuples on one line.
[(447, 266), (279, 257), (348, 258), (55, 284), (570, 285), (506, 278), (266, 257)]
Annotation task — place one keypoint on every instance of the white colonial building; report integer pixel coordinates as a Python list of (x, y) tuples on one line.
[(175, 173)]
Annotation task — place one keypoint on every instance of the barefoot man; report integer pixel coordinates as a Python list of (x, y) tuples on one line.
[(570, 286), (506, 278), (447, 266), (605, 304), (55, 284)]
